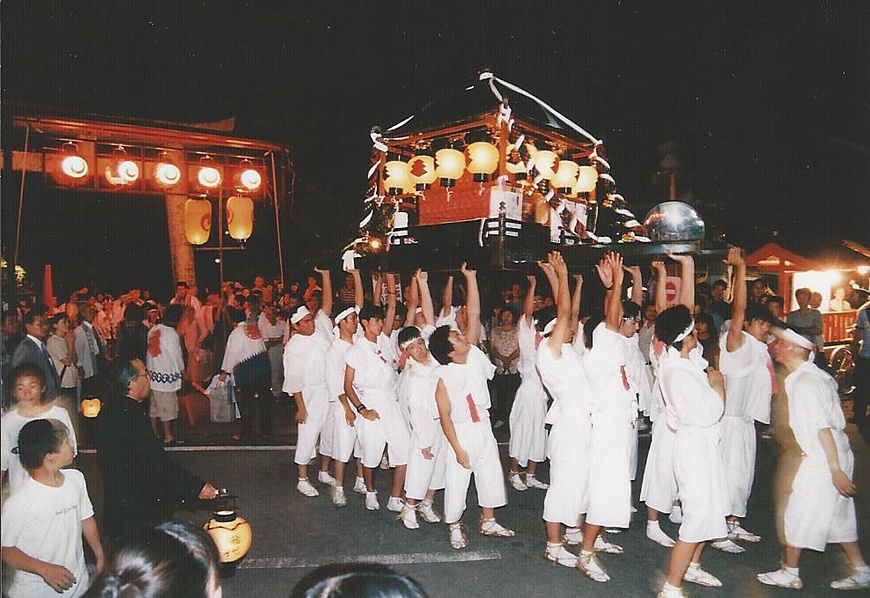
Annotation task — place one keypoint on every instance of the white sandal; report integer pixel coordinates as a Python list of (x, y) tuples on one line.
[(458, 537), (491, 527), (588, 564), (557, 553)]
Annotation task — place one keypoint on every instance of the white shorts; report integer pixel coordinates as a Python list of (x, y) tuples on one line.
[(317, 407), (389, 431), (425, 474), (164, 405), (343, 436), (569, 449)]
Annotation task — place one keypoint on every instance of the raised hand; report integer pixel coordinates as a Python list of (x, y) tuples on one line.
[(734, 257), (463, 267), (605, 272), (658, 268)]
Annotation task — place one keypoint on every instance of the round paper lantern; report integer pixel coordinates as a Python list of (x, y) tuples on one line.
[(74, 167), (449, 166), (91, 407), (167, 174), (230, 533), (397, 177), (483, 160), (240, 217), (587, 176), (546, 163), (422, 171), (197, 221), (565, 177)]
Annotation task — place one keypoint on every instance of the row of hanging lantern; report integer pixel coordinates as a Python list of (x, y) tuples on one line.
[(198, 219), (122, 170), (480, 159)]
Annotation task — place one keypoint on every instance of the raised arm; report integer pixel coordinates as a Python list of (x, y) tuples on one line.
[(376, 291), (613, 308), (661, 276), (687, 279), (529, 302), (574, 322), (390, 316), (472, 304), (636, 284), (425, 297), (738, 303), (326, 283), (413, 299), (447, 297), (359, 296)]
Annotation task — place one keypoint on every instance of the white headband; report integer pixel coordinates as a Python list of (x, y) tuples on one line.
[(343, 314), (549, 327), (300, 313), (685, 332), (787, 334), (409, 341)]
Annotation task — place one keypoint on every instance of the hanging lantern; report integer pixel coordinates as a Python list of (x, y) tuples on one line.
[(197, 221), (546, 162), (397, 178), (208, 175), (422, 171), (450, 164), (166, 172), (483, 160), (565, 177), (230, 533), (240, 217), (121, 170), (72, 164), (587, 176), (91, 407)]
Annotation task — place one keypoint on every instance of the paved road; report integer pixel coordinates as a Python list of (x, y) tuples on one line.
[(293, 534)]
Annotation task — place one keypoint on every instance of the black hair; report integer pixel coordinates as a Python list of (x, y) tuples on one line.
[(440, 346), (134, 313), (28, 368), (707, 319), (9, 313), (172, 559), (29, 316), (589, 327), (172, 315), (408, 333), (182, 283), (357, 579), (720, 283), (543, 317), (671, 323), (401, 310), (510, 310), (755, 311), (369, 311), (631, 310), (39, 438), (236, 315), (776, 299)]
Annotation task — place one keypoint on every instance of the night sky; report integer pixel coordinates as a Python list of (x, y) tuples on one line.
[(767, 102)]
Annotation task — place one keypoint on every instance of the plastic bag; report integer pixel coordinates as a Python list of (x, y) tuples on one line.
[(222, 401)]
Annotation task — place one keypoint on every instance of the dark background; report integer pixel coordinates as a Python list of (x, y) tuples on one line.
[(766, 103)]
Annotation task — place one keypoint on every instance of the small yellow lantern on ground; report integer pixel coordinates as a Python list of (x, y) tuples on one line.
[(397, 177), (240, 217), (449, 166), (197, 221), (422, 171), (230, 533), (483, 160), (91, 407)]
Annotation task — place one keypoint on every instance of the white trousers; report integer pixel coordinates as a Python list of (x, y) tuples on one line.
[(477, 440), (316, 400), (425, 474)]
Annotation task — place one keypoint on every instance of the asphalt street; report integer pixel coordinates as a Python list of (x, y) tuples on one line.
[(294, 534)]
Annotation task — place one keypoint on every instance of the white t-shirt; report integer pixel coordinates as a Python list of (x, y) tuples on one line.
[(465, 380), (46, 523), (10, 427)]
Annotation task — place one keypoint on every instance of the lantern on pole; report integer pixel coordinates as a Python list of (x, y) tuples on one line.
[(449, 166), (197, 221), (230, 533), (240, 217), (483, 160)]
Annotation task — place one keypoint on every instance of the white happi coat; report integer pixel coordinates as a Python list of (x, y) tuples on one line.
[(613, 415), (528, 440), (749, 379), (817, 514), (694, 410), (569, 446)]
